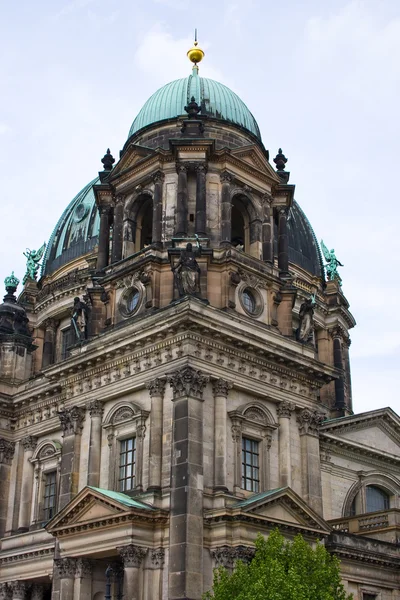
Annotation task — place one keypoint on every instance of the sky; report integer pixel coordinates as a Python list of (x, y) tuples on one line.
[(321, 78)]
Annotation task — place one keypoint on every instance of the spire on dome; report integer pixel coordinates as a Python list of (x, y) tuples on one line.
[(195, 54)]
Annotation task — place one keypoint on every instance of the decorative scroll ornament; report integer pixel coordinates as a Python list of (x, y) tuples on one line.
[(72, 420), (96, 408), (188, 382), (132, 555), (309, 421), (29, 443)]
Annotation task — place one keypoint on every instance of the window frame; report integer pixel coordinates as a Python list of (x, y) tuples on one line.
[(46, 475), (123, 466), (46, 459), (244, 478), (252, 421)]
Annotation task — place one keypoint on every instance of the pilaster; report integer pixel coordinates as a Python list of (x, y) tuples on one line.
[(284, 411), (29, 444), (132, 557), (221, 389), (309, 423), (96, 414), (156, 389), (7, 450), (72, 423)]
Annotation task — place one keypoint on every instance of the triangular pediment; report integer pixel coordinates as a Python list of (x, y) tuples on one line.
[(282, 506), (252, 156), (132, 157), (376, 430), (96, 505)]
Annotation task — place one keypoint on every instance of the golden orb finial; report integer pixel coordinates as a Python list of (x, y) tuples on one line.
[(195, 54)]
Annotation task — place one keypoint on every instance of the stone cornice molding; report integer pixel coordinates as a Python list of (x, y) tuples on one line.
[(156, 386), (310, 421), (188, 382), (132, 555), (358, 451), (284, 409), (71, 420), (29, 443), (65, 567), (382, 553), (7, 450), (21, 556)]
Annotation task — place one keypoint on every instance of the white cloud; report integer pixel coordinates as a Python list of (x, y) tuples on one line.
[(73, 6), (4, 128), (174, 4)]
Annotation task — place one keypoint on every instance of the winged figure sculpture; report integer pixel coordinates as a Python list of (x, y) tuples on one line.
[(333, 263), (32, 263)]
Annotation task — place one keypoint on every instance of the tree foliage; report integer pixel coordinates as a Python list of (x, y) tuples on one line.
[(281, 570)]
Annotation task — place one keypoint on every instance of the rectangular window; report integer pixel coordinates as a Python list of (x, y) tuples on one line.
[(127, 465), (250, 465), (66, 341), (368, 596), (49, 496)]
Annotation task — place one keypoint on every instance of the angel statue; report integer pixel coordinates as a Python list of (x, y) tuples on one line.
[(333, 263), (32, 263)]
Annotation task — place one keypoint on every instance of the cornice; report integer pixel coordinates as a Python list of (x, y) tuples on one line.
[(357, 451), (39, 553)]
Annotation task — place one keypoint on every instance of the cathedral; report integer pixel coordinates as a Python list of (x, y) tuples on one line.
[(176, 379)]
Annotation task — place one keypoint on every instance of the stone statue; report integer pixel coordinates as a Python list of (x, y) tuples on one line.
[(333, 263), (32, 263), (187, 271), (79, 319), (305, 331)]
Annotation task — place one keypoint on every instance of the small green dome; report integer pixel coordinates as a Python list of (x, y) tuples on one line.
[(215, 99)]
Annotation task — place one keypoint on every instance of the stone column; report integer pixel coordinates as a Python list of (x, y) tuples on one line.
[(267, 230), (18, 590), (182, 202), (236, 431), (157, 557), (158, 179), (37, 591), (283, 243), (186, 516), (65, 572), (284, 411), (117, 229), (221, 389), (83, 579), (226, 208), (96, 413), (346, 365), (201, 212), (309, 422), (156, 389), (72, 424), (6, 455), (49, 342), (132, 557), (337, 335), (104, 237), (29, 444)]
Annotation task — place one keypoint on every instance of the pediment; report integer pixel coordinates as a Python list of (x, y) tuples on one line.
[(378, 430), (283, 506), (95, 505), (131, 158), (253, 156)]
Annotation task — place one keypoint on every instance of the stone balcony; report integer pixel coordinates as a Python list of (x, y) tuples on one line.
[(383, 525)]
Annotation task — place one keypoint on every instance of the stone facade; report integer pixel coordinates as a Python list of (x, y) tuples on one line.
[(137, 458)]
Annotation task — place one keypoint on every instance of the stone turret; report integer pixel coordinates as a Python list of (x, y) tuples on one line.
[(15, 338)]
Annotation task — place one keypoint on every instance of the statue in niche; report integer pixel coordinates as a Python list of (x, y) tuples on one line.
[(305, 331), (187, 271), (79, 319)]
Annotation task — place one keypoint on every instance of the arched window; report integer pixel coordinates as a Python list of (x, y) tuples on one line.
[(145, 225), (138, 223), (238, 228), (376, 499)]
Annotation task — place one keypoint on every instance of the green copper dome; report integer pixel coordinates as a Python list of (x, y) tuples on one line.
[(215, 99)]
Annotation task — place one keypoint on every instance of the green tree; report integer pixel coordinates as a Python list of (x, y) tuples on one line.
[(281, 570)]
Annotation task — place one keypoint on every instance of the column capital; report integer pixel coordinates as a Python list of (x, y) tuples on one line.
[(226, 177), (224, 556), (50, 324), (29, 443), (156, 386), (83, 567), (201, 168), (338, 332), (284, 409), (188, 382), (181, 167), (65, 567), (158, 177), (309, 421), (95, 408), (283, 211), (37, 591), (266, 199), (7, 450), (105, 209), (119, 199), (18, 589), (236, 433), (72, 420), (157, 557), (221, 387), (5, 591), (132, 555)]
